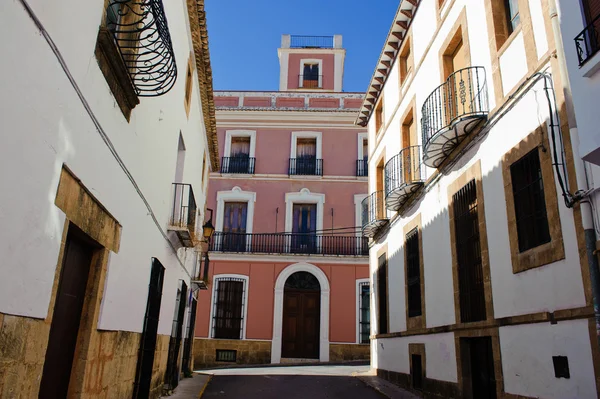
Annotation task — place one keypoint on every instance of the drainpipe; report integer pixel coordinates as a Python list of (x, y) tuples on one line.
[(582, 183)]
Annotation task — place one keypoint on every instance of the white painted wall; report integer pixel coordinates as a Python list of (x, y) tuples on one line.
[(548, 288), (44, 125)]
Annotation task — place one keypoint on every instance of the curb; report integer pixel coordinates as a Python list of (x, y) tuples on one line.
[(277, 365), (210, 376)]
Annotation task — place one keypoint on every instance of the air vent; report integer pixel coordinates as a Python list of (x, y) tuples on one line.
[(226, 355)]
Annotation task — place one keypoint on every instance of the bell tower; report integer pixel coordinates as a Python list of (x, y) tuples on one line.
[(311, 63)]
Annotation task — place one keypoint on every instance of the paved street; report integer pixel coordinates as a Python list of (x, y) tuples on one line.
[(290, 383)]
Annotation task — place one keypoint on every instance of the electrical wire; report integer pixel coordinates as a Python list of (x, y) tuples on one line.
[(97, 124)]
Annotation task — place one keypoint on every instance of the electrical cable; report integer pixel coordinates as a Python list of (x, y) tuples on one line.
[(97, 124)]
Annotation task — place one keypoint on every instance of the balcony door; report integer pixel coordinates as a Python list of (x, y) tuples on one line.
[(234, 226), (310, 76), (456, 59), (304, 226), (306, 156), (410, 154), (240, 155)]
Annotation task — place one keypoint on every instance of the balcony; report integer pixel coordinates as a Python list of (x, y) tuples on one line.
[(374, 214), (403, 176), (588, 41), (306, 167), (140, 31), (298, 41), (452, 112), (310, 82), (239, 165), (289, 243), (183, 216), (362, 167)]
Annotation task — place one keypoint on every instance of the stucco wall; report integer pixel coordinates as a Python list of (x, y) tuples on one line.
[(48, 126), (263, 275)]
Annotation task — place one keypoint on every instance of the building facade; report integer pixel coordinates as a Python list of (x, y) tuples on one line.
[(110, 116), (478, 257), (288, 274)]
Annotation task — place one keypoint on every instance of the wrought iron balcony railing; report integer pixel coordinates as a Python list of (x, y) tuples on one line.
[(403, 176), (362, 167), (310, 82), (297, 41), (183, 214), (289, 243), (452, 111), (244, 165), (306, 166), (140, 31), (588, 41), (374, 214)]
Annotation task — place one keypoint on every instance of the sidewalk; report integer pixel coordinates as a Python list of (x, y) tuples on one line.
[(384, 387), (191, 387)]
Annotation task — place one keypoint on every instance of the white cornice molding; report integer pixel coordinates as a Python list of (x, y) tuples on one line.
[(319, 259)]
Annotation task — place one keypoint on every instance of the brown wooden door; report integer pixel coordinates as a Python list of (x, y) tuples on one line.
[(301, 314), (456, 61), (409, 140), (67, 315)]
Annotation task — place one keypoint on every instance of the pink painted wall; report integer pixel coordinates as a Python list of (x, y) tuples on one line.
[(340, 150), (270, 195), (328, 71), (261, 293)]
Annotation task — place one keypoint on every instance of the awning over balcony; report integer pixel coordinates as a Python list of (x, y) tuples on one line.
[(140, 31)]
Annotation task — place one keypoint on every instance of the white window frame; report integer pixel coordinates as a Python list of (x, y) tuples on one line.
[(235, 195), (304, 196), (229, 134), (213, 305), (359, 282), (307, 135), (361, 138), (358, 199), (310, 61)]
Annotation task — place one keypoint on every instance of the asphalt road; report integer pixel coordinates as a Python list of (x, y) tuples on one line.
[(313, 382)]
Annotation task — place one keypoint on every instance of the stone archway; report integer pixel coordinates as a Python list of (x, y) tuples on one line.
[(276, 343)]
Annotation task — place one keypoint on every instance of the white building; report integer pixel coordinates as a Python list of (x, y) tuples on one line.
[(479, 268), (107, 138)]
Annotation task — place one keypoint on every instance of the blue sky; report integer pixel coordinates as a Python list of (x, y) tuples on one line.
[(244, 36)]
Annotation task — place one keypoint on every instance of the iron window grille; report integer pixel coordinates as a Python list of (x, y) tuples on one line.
[(468, 253), (364, 312), (228, 312), (189, 337), (362, 167), (140, 31), (587, 42), (382, 295), (413, 273), (145, 361), (238, 164), (530, 204)]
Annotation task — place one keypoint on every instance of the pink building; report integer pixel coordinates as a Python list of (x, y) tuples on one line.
[(288, 271)]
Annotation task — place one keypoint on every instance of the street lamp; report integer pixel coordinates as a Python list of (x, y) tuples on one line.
[(208, 229)]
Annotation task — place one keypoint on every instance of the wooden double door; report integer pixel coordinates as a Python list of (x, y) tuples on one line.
[(301, 326)]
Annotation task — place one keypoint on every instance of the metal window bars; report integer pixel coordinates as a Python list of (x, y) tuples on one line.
[(239, 164), (362, 167), (306, 166), (140, 31), (299, 41), (228, 308), (184, 207), (587, 42)]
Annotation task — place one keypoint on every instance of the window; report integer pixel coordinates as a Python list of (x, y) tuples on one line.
[(310, 76), (513, 18), (203, 170), (382, 295), (468, 254), (364, 312), (305, 154), (561, 367), (530, 204), (413, 273), (379, 115), (304, 228), (188, 87), (534, 225), (228, 313), (406, 61)]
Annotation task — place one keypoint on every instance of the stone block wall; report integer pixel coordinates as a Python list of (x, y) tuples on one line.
[(159, 368), (347, 352), (248, 352)]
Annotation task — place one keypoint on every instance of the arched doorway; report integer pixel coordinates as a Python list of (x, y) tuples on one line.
[(301, 316)]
